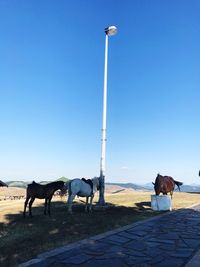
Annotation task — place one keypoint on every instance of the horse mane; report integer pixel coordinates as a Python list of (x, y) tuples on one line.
[(33, 184), (95, 179), (55, 182)]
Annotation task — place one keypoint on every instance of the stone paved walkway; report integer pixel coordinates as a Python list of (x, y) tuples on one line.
[(169, 240)]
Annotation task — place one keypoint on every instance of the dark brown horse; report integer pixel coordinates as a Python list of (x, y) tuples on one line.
[(36, 190), (3, 184), (165, 184)]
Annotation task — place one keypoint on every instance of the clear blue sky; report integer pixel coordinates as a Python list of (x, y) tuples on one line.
[(51, 89)]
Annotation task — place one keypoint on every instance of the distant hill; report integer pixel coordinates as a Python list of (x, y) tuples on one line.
[(20, 184), (132, 186), (115, 189), (63, 178), (149, 187), (190, 188)]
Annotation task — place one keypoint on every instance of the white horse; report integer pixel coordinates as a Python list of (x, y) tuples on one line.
[(82, 188)]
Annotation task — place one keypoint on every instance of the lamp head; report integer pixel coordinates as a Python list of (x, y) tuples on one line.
[(111, 30)]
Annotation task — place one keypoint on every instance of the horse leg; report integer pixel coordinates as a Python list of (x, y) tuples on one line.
[(86, 204), (45, 206), (49, 203), (90, 207), (30, 205), (69, 203), (25, 205)]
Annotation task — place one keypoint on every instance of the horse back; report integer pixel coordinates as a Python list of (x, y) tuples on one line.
[(35, 190), (79, 187)]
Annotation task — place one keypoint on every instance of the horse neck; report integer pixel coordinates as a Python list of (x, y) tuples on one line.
[(55, 186), (95, 182)]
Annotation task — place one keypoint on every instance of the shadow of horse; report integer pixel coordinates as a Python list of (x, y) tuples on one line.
[(145, 205)]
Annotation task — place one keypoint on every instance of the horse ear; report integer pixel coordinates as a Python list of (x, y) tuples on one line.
[(153, 183)]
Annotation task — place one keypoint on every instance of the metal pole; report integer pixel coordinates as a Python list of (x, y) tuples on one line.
[(103, 140)]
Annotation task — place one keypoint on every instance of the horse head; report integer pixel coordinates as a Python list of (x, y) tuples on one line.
[(96, 182), (62, 187), (158, 175)]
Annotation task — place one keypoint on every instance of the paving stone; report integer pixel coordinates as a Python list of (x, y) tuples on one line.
[(143, 228), (67, 254), (152, 245), (157, 259), (161, 241), (98, 246), (59, 264), (167, 247), (135, 260), (171, 262), (137, 232), (50, 261), (134, 253), (128, 235), (182, 253), (193, 243), (153, 252), (135, 236), (117, 239), (108, 242), (39, 264), (191, 235), (34, 263), (136, 245), (78, 259), (194, 261), (97, 250), (105, 263), (181, 244), (168, 236), (116, 249)]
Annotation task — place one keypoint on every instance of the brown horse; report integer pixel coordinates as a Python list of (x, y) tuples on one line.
[(165, 184), (36, 190)]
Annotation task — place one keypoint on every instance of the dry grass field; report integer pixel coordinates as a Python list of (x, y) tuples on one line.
[(22, 239)]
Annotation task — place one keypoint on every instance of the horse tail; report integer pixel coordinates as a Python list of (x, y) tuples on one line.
[(28, 190), (178, 184)]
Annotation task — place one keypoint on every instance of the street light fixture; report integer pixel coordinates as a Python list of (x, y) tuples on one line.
[(109, 31)]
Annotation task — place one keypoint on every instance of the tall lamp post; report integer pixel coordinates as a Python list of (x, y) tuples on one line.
[(109, 31)]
